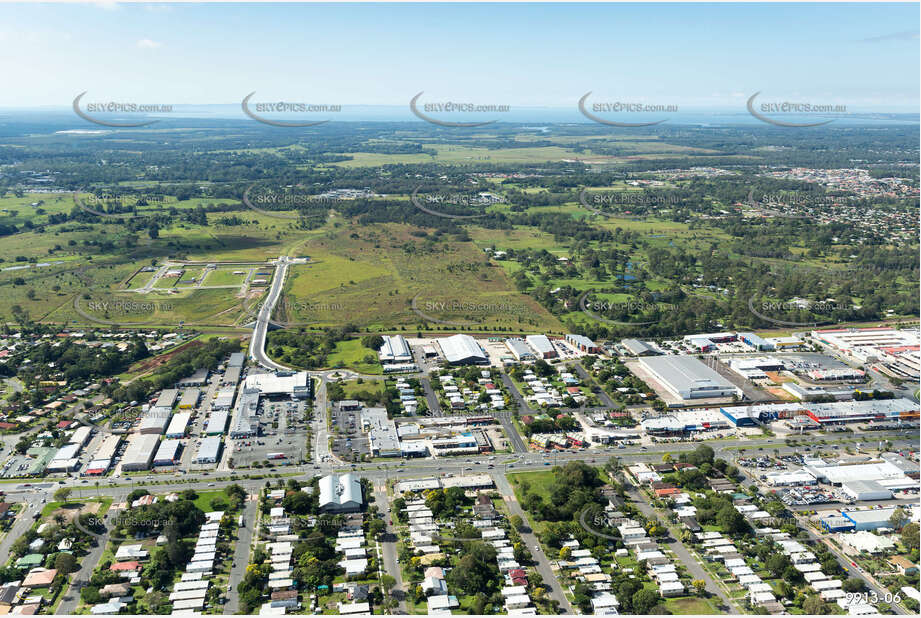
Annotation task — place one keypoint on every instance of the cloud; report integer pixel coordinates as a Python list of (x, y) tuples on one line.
[(149, 44), (907, 35)]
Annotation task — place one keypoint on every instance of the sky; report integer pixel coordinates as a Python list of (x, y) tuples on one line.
[(865, 56)]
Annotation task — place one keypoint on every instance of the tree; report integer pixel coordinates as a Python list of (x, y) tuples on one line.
[(376, 527), (700, 586), (66, 563), (62, 494), (644, 600), (815, 605), (388, 582), (730, 520), (910, 536), (898, 519), (853, 584), (565, 553), (517, 522)]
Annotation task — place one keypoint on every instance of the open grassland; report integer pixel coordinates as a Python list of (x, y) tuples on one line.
[(369, 277), (226, 276)]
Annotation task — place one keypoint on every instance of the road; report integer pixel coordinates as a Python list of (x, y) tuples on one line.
[(388, 542), (241, 553), (551, 583), (82, 577), (264, 316), (678, 548)]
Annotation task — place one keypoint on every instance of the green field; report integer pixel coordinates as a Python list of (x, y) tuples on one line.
[(355, 356)]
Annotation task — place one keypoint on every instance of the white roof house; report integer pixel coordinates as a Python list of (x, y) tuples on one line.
[(340, 494)]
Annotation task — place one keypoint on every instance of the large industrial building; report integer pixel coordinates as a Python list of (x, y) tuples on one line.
[(217, 423), (382, 432), (155, 421), (340, 494), (520, 350), (178, 425), (102, 458), (296, 385), (462, 350), (140, 452), (686, 378), (167, 398), (395, 349), (168, 453), (542, 346), (209, 451), (636, 347), (583, 344), (189, 400), (245, 423), (863, 344), (825, 413)]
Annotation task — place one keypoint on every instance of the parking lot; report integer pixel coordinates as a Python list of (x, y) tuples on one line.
[(349, 443), (282, 430)]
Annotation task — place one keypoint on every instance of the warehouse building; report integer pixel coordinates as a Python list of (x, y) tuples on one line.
[(296, 385), (199, 378), (520, 350), (102, 458), (209, 451), (755, 341), (245, 423), (340, 494), (236, 360), (639, 348), (583, 344), (231, 376), (542, 346), (861, 411), (155, 421), (686, 377), (462, 350), (189, 399), (178, 425), (870, 519), (395, 349), (140, 452), (840, 474), (864, 344), (168, 454), (865, 490), (81, 435), (224, 398), (217, 423), (167, 398), (382, 432)]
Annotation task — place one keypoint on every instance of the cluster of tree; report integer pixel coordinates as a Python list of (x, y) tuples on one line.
[(194, 356), (305, 349), (574, 486)]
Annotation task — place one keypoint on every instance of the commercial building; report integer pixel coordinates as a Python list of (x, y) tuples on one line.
[(236, 360), (680, 422), (542, 346), (224, 398), (839, 474), (167, 398), (758, 343), (296, 385), (155, 421), (140, 452), (520, 350), (462, 350), (102, 459), (245, 423), (686, 377), (189, 399), (340, 494), (231, 376), (217, 423), (864, 344), (639, 348), (870, 519), (812, 393), (168, 453), (382, 432), (81, 435), (865, 490), (583, 344), (209, 451), (199, 378), (178, 425), (395, 349), (861, 411)]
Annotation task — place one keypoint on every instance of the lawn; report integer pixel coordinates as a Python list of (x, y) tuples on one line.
[(690, 605), (355, 356)]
